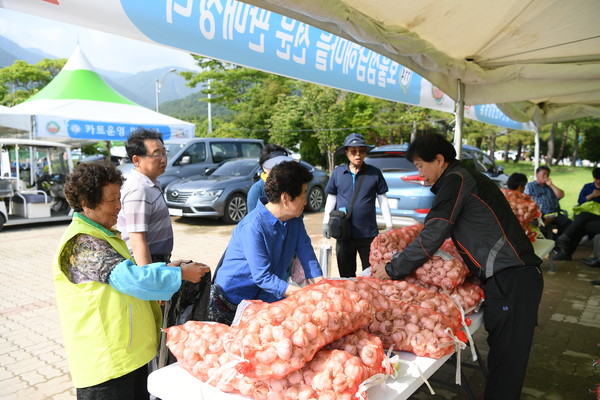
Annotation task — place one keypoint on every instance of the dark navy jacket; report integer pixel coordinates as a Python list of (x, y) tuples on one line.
[(472, 210), (364, 220)]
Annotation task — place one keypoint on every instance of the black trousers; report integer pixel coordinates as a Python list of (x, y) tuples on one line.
[(132, 386), (512, 298), (345, 252), (561, 223), (584, 223)]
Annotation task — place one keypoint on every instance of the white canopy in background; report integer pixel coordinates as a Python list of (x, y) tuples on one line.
[(13, 122), (78, 106), (538, 59)]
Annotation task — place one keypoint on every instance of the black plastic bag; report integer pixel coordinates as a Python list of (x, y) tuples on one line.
[(189, 303)]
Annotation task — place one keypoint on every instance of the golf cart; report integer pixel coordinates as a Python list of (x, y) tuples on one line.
[(32, 174)]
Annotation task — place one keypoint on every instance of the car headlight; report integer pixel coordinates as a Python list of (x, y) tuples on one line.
[(208, 195)]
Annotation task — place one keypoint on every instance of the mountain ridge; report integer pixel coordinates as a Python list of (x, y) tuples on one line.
[(139, 87)]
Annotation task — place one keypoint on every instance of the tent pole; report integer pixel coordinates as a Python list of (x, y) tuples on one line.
[(32, 128), (536, 152), (459, 113), (209, 110)]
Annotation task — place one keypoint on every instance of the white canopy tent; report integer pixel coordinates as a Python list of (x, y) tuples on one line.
[(12, 122), (77, 106), (538, 60)]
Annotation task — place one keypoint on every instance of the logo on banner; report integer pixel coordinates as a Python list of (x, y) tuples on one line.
[(437, 94), (53, 127), (405, 78), (75, 129)]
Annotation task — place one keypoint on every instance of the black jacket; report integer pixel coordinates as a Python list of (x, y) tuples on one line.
[(472, 210)]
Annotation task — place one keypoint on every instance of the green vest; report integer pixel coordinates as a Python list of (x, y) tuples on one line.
[(107, 334)]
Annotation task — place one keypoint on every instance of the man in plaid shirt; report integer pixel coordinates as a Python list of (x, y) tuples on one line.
[(547, 197)]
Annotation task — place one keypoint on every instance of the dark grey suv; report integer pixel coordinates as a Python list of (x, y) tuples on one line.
[(193, 157), (222, 193), (409, 198)]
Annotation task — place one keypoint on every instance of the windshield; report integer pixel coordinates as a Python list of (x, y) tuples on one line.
[(236, 168), (30, 163), (173, 148), (390, 161)]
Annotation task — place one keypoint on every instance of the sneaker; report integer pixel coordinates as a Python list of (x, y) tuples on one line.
[(561, 256), (588, 260), (594, 263), (595, 283)]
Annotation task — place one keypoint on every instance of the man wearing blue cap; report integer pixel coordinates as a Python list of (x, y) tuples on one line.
[(369, 181)]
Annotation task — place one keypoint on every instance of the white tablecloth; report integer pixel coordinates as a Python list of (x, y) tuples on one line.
[(175, 383)]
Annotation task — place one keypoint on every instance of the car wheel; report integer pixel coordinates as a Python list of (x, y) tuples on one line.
[(315, 199), (236, 208)]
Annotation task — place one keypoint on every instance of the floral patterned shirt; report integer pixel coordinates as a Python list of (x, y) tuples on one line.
[(87, 258)]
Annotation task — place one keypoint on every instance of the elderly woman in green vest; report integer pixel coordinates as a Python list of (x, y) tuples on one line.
[(108, 308)]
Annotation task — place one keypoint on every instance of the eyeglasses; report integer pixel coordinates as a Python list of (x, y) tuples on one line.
[(357, 151), (162, 154)]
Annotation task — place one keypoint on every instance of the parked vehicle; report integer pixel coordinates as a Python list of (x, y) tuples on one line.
[(32, 174), (222, 193), (315, 194), (500, 154), (410, 200), (193, 157)]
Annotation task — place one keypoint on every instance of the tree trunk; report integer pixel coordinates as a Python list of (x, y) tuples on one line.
[(575, 148), (492, 144), (519, 150), (413, 132), (478, 142), (330, 160), (550, 154), (561, 152)]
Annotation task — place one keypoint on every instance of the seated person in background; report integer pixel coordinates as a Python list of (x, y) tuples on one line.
[(109, 315), (547, 197), (517, 181), (270, 156), (584, 223), (256, 264), (591, 191)]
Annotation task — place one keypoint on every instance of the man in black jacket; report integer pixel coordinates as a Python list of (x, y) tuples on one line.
[(470, 209)]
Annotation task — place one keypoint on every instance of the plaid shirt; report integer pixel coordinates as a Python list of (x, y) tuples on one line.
[(544, 197)]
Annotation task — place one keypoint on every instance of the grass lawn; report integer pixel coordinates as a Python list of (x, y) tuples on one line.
[(569, 179)]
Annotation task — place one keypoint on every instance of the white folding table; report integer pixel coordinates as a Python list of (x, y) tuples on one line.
[(175, 383), (542, 248)]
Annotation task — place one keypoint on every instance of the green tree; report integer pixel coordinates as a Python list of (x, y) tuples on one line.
[(251, 94), (21, 80), (590, 145), (288, 126), (324, 110)]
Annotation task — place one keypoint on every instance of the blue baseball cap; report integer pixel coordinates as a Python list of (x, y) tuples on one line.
[(354, 140)]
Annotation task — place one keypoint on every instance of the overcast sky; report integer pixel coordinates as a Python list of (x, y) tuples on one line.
[(103, 50)]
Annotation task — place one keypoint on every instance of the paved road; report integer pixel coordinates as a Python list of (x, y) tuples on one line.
[(32, 358)]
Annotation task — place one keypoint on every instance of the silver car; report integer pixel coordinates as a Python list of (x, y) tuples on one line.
[(222, 193), (408, 197)]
